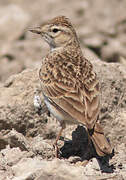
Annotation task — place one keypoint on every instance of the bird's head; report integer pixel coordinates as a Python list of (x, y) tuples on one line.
[(57, 32)]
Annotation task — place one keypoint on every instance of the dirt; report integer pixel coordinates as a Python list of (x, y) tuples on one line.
[(26, 138)]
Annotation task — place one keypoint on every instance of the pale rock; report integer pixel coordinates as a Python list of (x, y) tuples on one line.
[(13, 21)]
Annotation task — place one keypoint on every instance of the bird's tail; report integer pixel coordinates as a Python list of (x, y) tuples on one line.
[(100, 142)]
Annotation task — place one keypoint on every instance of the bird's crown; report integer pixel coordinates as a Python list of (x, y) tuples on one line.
[(60, 21)]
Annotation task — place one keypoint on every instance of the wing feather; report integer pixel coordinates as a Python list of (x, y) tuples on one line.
[(77, 96)]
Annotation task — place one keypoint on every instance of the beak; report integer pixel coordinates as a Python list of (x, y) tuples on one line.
[(36, 30)]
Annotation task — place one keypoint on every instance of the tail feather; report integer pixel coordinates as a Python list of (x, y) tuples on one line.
[(100, 142)]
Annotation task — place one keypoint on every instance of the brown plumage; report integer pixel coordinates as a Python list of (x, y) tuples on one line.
[(69, 84)]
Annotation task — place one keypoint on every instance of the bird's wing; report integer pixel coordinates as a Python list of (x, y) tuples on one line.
[(79, 98)]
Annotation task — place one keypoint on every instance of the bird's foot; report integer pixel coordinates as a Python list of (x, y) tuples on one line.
[(82, 163)]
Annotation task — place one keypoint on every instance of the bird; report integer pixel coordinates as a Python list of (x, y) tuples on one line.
[(69, 84)]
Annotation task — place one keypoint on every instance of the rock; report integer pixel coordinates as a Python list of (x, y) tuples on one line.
[(27, 168), (13, 22), (9, 66), (12, 155), (89, 54), (41, 147), (16, 105), (113, 96), (113, 51), (20, 55), (58, 169), (94, 41), (15, 139)]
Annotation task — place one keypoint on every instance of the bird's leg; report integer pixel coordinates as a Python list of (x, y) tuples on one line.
[(55, 144), (57, 138)]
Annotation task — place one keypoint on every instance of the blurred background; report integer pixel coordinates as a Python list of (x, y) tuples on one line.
[(100, 25)]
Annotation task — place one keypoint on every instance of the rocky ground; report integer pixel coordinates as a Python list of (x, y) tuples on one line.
[(26, 138)]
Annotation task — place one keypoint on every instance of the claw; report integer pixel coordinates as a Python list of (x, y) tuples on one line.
[(83, 163)]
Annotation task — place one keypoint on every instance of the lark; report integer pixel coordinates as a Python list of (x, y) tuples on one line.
[(69, 84)]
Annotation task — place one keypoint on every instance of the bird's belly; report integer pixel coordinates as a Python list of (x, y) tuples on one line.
[(60, 115), (54, 111)]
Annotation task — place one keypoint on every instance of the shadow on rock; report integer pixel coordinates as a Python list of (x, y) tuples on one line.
[(80, 146)]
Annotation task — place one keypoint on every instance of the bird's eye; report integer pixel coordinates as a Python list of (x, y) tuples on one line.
[(55, 30)]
